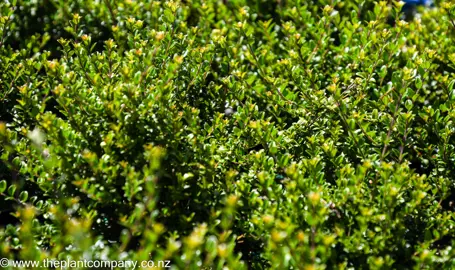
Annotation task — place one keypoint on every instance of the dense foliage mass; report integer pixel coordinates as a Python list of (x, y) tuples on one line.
[(231, 134)]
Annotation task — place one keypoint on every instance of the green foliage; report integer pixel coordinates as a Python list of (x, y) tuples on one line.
[(238, 134)]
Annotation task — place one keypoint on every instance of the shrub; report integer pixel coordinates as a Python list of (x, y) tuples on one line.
[(236, 134)]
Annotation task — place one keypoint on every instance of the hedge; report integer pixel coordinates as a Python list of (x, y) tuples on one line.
[(228, 134)]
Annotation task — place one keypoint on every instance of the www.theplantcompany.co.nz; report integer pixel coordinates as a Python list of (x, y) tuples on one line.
[(71, 264)]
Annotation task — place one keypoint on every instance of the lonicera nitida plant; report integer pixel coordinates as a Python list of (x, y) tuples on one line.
[(228, 134)]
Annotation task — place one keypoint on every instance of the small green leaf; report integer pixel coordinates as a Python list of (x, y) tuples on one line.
[(383, 72), (351, 123), (39, 204), (418, 83), (11, 190), (375, 114), (2, 186), (273, 148), (23, 196), (408, 104)]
